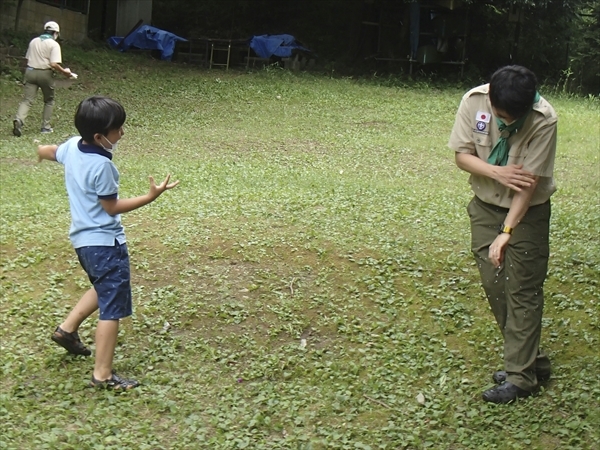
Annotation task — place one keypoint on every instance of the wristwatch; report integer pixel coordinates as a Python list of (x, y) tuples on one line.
[(504, 229)]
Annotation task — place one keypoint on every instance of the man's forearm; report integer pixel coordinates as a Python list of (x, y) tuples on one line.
[(519, 206), (512, 176), (474, 165), (58, 68)]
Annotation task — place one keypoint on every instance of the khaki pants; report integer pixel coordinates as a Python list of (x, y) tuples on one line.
[(515, 289), (37, 79)]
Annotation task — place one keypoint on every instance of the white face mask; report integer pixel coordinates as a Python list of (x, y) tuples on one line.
[(112, 147)]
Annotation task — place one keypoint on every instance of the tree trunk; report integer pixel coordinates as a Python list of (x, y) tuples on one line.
[(18, 14)]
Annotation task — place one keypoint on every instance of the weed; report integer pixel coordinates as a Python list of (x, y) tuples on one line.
[(307, 286)]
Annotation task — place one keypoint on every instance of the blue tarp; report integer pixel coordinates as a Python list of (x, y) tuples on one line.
[(151, 38), (280, 45)]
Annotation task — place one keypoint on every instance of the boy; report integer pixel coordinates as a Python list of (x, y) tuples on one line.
[(96, 233), (504, 135)]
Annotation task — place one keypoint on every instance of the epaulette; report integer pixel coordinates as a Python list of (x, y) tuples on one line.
[(479, 90), (543, 107)]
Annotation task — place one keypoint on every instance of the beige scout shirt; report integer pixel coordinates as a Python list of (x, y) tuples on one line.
[(475, 131), (41, 53)]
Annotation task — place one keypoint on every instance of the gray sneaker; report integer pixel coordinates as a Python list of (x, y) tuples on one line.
[(47, 130), (115, 382), (17, 126)]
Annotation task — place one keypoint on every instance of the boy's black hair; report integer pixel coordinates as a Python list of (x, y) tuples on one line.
[(512, 89), (98, 115)]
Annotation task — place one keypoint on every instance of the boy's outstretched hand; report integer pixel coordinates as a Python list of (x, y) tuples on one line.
[(155, 190), (116, 206)]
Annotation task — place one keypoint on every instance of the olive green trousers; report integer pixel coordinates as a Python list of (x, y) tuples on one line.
[(37, 79), (515, 289)]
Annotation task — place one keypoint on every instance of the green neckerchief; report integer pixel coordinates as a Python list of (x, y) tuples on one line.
[(45, 36), (499, 155)]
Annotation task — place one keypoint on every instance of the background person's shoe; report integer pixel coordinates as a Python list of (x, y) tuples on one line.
[(17, 127), (70, 342), (47, 130), (500, 376), (505, 393), (115, 382)]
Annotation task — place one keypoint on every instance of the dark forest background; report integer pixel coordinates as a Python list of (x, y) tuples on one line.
[(558, 39)]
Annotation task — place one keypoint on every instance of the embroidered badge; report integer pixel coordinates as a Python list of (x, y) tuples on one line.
[(480, 126), (483, 116)]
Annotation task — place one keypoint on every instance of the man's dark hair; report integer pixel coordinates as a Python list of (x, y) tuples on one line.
[(512, 89), (98, 115)]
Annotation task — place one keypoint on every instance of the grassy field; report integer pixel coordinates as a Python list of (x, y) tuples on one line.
[(308, 282)]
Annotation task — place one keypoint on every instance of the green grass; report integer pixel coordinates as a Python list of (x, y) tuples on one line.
[(308, 279)]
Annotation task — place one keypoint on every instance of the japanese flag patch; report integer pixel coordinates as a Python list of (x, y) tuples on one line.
[(483, 116)]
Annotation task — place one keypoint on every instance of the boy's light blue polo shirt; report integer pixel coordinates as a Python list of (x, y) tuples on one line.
[(90, 175)]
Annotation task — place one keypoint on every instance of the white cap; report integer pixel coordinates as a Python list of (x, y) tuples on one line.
[(52, 26)]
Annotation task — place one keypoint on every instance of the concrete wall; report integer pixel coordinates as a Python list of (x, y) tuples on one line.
[(130, 11), (73, 25)]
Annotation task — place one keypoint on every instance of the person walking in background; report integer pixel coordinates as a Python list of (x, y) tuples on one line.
[(504, 135), (43, 59), (92, 182)]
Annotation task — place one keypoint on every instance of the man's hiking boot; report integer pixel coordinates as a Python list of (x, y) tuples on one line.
[(505, 393), (500, 376)]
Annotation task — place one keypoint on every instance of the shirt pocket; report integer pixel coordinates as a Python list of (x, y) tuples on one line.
[(483, 144), (517, 153)]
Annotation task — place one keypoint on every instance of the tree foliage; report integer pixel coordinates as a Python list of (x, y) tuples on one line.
[(558, 39), (584, 63)]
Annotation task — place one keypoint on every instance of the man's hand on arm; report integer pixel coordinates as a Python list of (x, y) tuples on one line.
[(121, 206), (512, 176)]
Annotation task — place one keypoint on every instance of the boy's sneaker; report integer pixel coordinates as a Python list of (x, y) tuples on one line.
[(47, 130), (70, 342), (17, 126), (115, 382)]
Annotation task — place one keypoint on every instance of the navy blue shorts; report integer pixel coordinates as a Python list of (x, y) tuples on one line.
[(108, 270)]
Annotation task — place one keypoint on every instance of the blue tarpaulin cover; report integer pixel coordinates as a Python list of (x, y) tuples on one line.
[(151, 38), (280, 45)]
